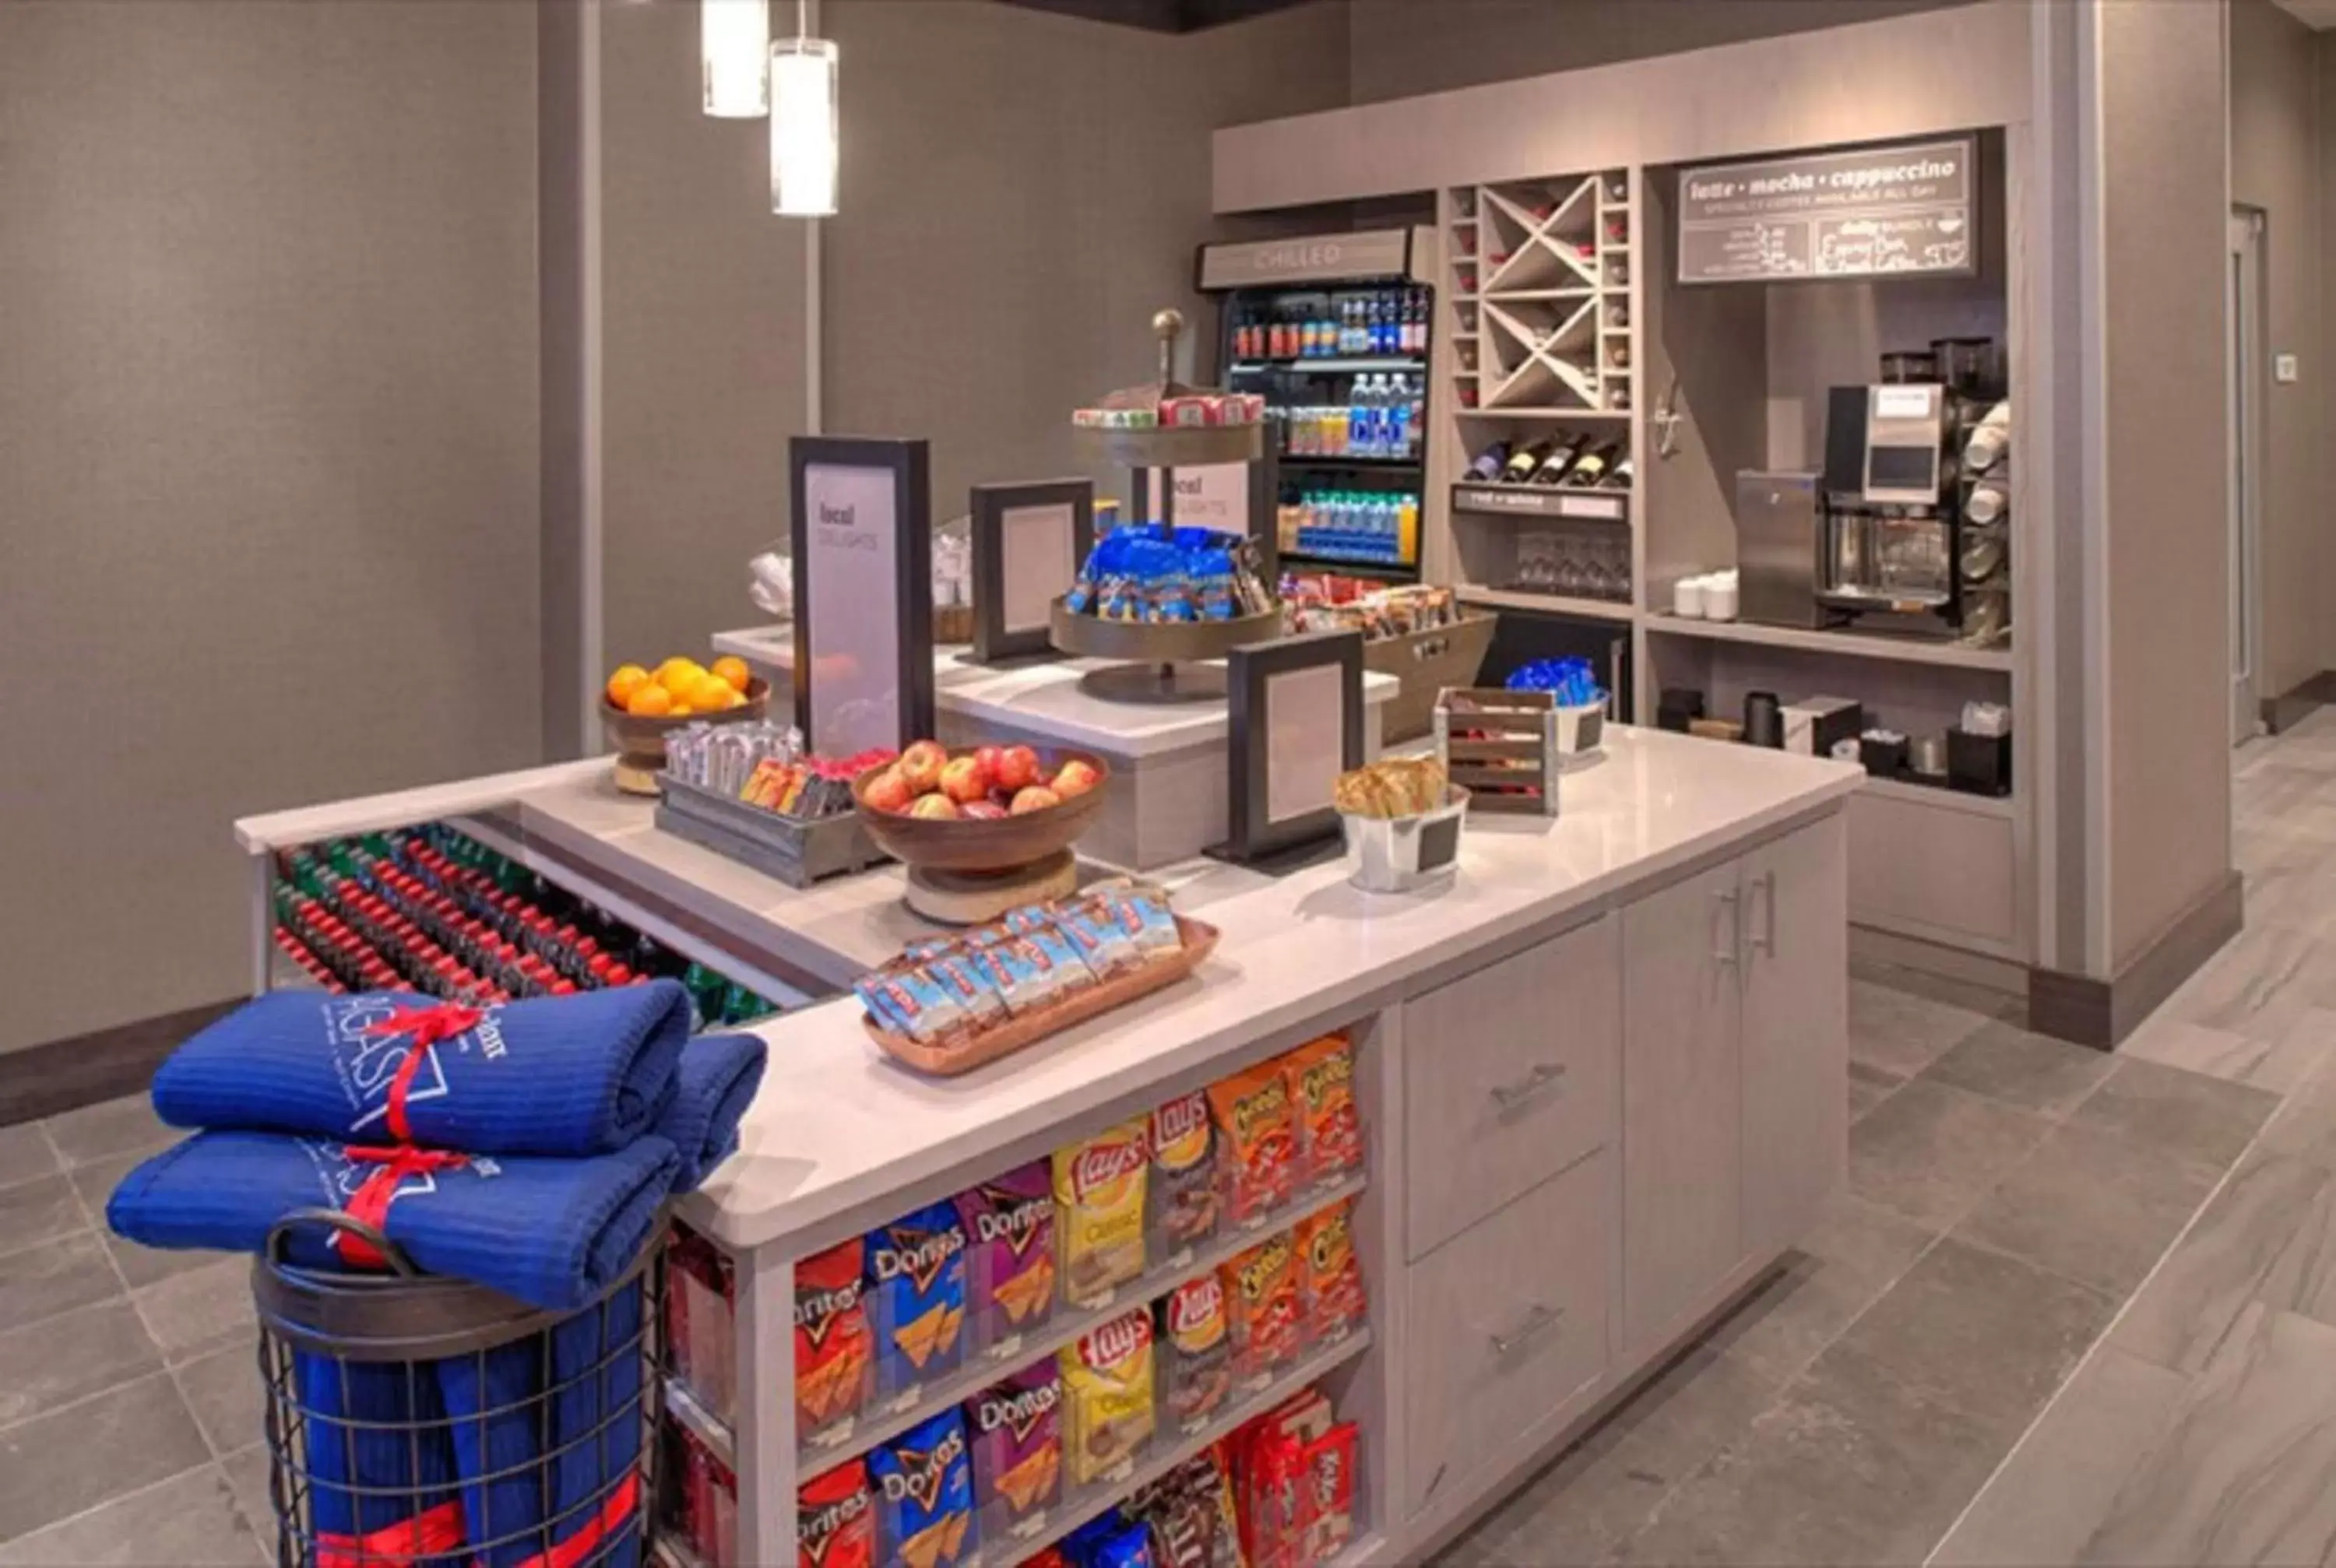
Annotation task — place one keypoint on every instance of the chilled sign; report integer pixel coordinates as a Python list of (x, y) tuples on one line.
[(1907, 210)]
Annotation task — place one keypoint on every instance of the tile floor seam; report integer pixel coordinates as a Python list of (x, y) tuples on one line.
[(2110, 1327), (78, 1401), (139, 1491)]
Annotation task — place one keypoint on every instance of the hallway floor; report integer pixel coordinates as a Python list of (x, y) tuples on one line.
[(1987, 1353)]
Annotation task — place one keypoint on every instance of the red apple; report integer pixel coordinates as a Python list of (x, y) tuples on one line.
[(887, 792), (922, 766), (964, 779), (984, 811), (1075, 777), (1017, 768), (934, 807), (988, 756), (1037, 798)]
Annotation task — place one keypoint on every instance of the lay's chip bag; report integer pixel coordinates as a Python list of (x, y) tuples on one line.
[(1182, 1199), (924, 1493), (1099, 1188), (917, 1297)]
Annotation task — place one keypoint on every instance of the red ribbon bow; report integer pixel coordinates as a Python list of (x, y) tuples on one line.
[(369, 1204), (425, 1027)]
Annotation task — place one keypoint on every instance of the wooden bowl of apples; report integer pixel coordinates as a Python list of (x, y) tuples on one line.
[(986, 809)]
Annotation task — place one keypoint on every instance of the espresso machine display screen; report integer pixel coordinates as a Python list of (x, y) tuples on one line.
[(1902, 468)]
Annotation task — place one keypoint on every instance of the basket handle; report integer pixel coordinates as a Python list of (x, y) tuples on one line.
[(279, 1235)]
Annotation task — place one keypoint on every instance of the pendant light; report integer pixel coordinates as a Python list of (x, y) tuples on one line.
[(734, 46), (802, 124)]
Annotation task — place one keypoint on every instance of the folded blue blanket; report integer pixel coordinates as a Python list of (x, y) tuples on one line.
[(555, 1233), (578, 1075), (380, 1468), (719, 1074)]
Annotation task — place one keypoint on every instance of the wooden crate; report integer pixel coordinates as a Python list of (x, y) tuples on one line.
[(1500, 746), (797, 851)]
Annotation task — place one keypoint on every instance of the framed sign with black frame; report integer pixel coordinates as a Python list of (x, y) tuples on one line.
[(863, 532), (1029, 541), (1297, 724)]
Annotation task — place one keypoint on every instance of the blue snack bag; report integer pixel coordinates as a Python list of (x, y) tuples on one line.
[(916, 1298), (924, 1493)]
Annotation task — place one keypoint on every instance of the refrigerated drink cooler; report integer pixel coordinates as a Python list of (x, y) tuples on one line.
[(1333, 330)]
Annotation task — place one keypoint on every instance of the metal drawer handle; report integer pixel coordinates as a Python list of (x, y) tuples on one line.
[(1508, 1096), (1765, 942), (1726, 953), (1535, 1321)]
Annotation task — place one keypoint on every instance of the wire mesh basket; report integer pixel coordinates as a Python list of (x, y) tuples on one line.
[(421, 1422)]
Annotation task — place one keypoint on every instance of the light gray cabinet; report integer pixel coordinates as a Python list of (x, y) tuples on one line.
[(1796, 1031), (1682, 1096), (1509, 1078)]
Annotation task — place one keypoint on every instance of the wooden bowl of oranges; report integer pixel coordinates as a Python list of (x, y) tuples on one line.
[(639, 707)]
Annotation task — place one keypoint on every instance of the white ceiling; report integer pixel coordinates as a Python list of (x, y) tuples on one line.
[(2320, 14)]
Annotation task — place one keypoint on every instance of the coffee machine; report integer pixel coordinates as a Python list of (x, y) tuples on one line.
[(1889, 541)]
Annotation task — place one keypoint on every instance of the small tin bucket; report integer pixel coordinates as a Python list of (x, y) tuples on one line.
[(1398, 855)]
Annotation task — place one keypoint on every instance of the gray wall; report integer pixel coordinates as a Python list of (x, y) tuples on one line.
[(268, 456), (1402, 47), (2275, 165), (703, 340), (1020, 192), (2164, 231)]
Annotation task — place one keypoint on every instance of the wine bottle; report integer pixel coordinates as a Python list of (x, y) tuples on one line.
[(1526, 460), (1620, 476), (1553, 467), (1487, 466), (1592, 465)]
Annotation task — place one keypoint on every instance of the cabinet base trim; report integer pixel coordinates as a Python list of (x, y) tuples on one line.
[(2102, 1013)]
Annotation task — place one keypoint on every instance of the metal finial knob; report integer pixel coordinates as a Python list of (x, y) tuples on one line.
[(1168, 325)]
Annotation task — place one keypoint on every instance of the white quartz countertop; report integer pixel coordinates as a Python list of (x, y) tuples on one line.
[(838, 1125), (1045, 697)]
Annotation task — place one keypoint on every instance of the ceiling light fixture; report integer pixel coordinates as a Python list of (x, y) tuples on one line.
[(735, 46), (803, 128)]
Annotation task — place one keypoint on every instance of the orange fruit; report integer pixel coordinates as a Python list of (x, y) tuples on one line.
[(679, 676), (719, 697), (651, 700), (628, 679), (733, 668)]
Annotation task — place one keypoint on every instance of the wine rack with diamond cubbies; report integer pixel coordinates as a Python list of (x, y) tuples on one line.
[(1540, 451)]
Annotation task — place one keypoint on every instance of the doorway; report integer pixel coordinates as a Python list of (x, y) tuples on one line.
[(2245, 314)]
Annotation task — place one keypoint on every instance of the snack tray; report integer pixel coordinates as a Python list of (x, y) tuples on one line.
[(1158, 641), (1172, 446), (797, 851), (948, 1059)]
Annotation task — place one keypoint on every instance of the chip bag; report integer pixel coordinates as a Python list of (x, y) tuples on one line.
[(1192, 1333), (1107, 1395), (835, 1353), (924, 1493), (917, 1296), (1183, 1196), (835, 1519), (1330, 1125), (1017, 1451), (1010, 1228), (1258, 1139), (1099, 1188), (1329, 1275), (1261, 1294)]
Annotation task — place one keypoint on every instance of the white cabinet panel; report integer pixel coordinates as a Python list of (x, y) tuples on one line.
[(1796, 1031)]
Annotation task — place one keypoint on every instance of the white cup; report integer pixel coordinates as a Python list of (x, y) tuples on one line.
[(1720, 601), (1687, 598)]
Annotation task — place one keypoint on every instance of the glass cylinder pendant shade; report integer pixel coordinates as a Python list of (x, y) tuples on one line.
[(734, 37), (802, 128)]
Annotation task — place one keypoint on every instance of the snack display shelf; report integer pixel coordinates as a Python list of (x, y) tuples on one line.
[(911, 1405), (1135, 1475)]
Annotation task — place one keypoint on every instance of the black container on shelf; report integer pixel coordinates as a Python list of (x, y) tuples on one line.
[(1678, 708), (1763, 720), (1979, 765), (1883, 758)]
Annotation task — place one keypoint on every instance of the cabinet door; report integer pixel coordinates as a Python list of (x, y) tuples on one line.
[(1795, 1030), (1508, 1078), (1682, 1106)]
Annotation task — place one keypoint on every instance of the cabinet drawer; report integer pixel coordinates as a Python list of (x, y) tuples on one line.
[(1943, 870), (1504, 1323), (1509, 1077)]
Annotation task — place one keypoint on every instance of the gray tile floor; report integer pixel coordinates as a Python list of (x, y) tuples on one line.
[(1985, 1354), (2073, 1308)]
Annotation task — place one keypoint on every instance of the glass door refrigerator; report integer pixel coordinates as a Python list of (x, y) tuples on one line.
[(1333, 331)]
